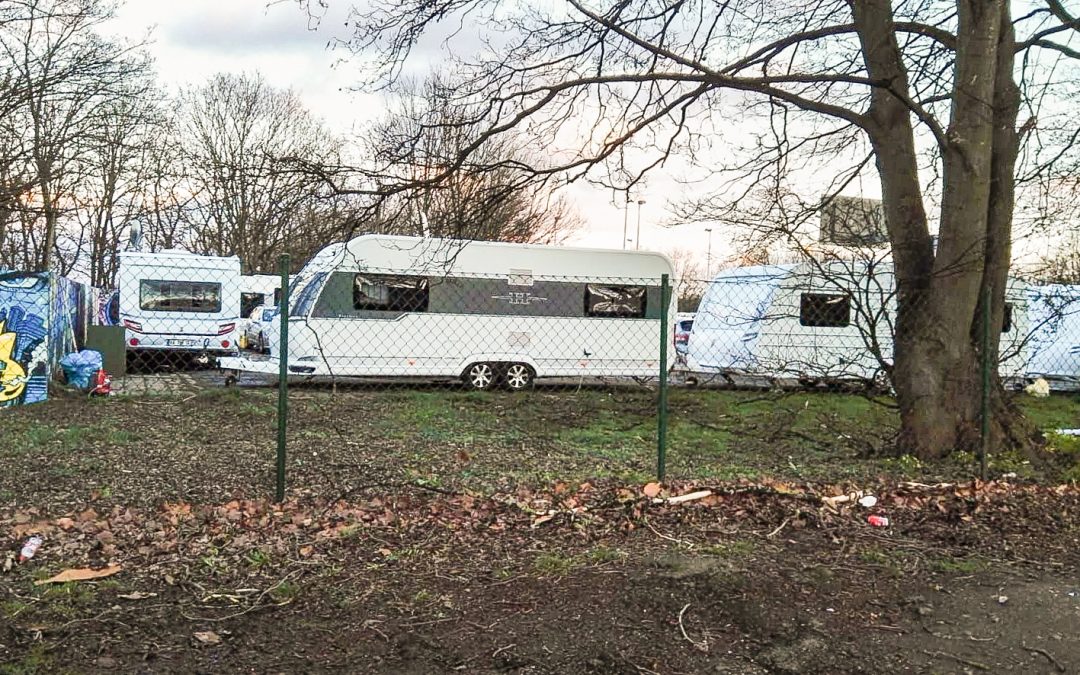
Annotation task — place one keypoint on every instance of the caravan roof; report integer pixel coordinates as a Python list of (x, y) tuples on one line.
[(416, 255), (179, 258)]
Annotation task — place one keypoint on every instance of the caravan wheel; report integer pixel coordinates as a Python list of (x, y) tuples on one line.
[(479, 376), (519, 376)]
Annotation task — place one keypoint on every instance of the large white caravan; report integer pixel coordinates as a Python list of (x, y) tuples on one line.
[(486, 312), (175, 301), (811, 323)]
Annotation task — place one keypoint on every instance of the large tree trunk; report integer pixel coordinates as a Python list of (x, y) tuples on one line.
[(938, 349)]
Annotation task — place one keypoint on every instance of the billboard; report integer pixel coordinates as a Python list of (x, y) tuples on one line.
[(853, 221)]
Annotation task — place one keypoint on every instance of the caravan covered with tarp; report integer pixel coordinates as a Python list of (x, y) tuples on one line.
[(808, 323)]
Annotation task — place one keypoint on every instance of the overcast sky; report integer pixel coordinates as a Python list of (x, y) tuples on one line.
[(194, 39)]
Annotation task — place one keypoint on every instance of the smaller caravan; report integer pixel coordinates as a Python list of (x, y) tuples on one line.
[(808, 323), (258, 290), (175, 302), (489, 313)]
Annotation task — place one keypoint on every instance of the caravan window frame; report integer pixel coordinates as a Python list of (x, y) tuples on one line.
[(403, 293), (819, 317), (192, 308)]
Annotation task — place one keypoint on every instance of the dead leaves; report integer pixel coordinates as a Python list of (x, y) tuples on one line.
[(80, 574), (207, 637)]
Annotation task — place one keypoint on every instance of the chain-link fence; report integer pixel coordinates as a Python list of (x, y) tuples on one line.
[(484, 363)]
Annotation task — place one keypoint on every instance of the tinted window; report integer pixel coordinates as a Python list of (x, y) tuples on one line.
[(825, 310), (1006, 319), (615, 301), (390, 293), (302, 295), (179, 296)]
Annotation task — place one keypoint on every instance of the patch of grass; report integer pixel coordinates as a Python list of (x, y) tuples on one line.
[(286, 591), (257, 558), (66, 600), (36, 660), (737, 548), (9, 609), (221, 394), (604, 554), (958, 565), (553, 564), (1058, 411), (610, 437), (892, 561)]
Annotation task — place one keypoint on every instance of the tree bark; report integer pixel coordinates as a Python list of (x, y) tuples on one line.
[(937, 358)]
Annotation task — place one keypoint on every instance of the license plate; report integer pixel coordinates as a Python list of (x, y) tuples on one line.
[(179, 343)]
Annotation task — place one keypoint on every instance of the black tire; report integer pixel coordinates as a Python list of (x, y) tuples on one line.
[(518, 376), (480, 376)]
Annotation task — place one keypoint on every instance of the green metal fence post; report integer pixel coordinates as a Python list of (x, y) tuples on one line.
[(283, 376), (984, 412), (662, 411)]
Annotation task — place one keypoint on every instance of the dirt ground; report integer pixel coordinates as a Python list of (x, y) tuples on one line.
[(422, 547)]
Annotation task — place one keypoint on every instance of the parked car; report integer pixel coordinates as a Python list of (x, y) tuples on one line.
[(684, 323), (255, 330)]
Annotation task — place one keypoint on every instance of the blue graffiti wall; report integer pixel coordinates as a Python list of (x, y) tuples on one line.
[(24, 329)]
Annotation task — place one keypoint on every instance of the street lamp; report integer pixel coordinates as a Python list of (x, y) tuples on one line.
[(708, 255), (637, 244), (625, 216)]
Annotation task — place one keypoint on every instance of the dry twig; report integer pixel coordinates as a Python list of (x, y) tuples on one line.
[(959, 659), (702, 646), (1050, 657)]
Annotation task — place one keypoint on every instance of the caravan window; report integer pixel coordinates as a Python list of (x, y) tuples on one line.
[(627, 302), (1006, 319), (248, 302), (390, 293), (825, 310), (179, 296)]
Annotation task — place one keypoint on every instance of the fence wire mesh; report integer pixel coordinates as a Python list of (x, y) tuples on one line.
[(425, 370)]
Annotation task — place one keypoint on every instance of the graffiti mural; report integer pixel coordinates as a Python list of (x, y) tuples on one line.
[(24, 327)]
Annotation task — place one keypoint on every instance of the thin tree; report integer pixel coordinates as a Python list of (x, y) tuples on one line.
[(235, 131), (424, 132), (69, 76)]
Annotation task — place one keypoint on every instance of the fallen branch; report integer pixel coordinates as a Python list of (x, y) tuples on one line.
[(255, 605), (688, 497), (1049, 657), (959, 659), (700, 646), (664, 536), (777, 530)]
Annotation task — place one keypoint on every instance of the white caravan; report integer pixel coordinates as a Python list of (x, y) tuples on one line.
[(808, 324), (488, 313), (1054, 312), (175, 301)]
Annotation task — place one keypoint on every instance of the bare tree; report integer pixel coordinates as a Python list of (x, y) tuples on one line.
[(932, 90), (486, 199), (689, 278), (248, 201), (116, 194), (69, 77)]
